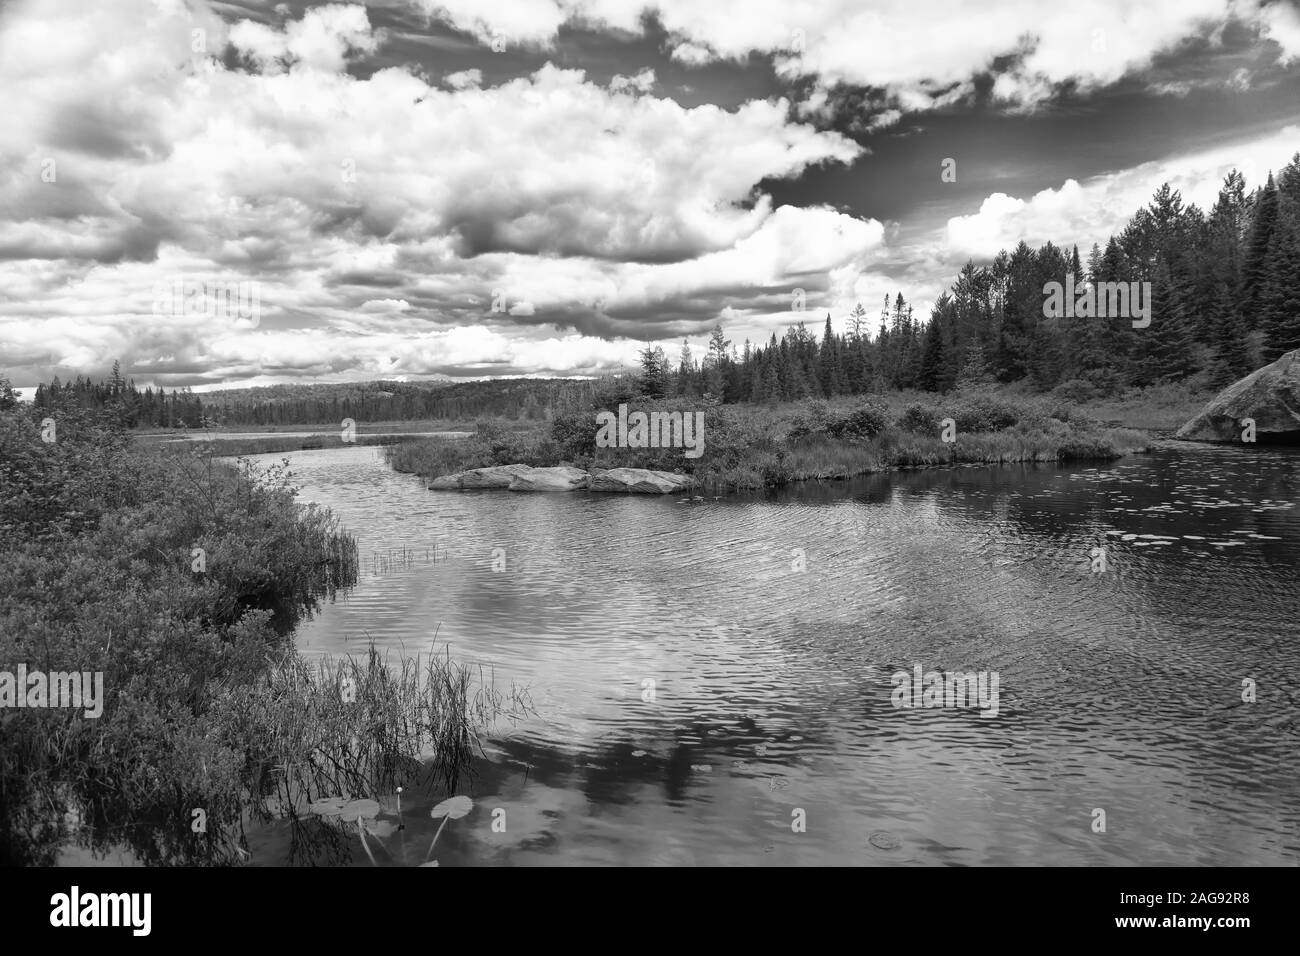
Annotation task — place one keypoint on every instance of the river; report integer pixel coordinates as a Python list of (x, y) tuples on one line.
[(712, 679)]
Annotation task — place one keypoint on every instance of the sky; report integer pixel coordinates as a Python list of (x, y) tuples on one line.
[(239, 194)]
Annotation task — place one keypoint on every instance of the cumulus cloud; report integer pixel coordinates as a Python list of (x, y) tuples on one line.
[(322, 40), (643, 82), (1091, 211), (463, 79), (1038, 46), (375, 235), (1281, 24)]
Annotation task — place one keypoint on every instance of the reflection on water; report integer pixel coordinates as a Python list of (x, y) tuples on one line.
[(694, 688)]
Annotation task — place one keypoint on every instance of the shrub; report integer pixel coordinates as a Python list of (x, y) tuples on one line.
[(985, 414), (920, 419), (865, 421), (1076, 390), (813, 419), (574, 434)]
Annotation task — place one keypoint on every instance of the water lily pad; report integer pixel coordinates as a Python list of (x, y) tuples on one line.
[(327, 807), (355, 810), (382, 829), (884, 841), (453, 808)]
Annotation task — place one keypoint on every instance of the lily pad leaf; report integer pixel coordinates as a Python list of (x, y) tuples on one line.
[(381, 829), (355, 810), (883, 840), (453, 808), (327, 806)]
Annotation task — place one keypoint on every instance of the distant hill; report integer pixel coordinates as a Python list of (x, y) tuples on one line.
[(316, 404), (319, 404), (298, 391)]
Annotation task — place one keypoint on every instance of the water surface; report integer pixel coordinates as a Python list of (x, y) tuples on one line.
[(770, 626)]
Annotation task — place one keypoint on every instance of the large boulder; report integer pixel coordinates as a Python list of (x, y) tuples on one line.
[(560, 478), (497, 476), (1270, 395), (639, 481)]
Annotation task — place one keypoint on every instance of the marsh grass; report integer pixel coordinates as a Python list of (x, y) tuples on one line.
[(215, 445), (403, 559), (360, 727), (756, 447), (203, 695)]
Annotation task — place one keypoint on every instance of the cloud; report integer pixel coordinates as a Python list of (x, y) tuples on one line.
[(322, 40), (643, 82), (377, 214), (385, 306), (1091, 211), (1280, 23), (464, 79), (1033, 48)]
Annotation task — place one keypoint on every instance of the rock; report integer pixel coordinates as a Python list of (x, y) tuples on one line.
[(560, 478), (1270, 395), (497, 476), (639, 481)]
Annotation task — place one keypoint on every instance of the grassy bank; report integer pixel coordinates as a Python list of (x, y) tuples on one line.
[(180, 579), (333, 428), (751, 447), (268, 444)]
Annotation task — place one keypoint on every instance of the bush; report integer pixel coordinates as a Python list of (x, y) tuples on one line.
[(574, 434), (1076, 390), (867, 420), (813, 419), (920, 419), (503, 446), (985, 414)]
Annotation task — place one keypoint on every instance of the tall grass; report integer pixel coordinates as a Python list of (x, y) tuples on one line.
[(358, 727), (203, 695)]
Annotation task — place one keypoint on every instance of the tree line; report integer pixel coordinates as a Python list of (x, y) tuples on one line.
[(1225, 288), (135, 407), (309, 404)]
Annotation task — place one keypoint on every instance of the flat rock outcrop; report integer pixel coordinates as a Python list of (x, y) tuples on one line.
[(639, 481), (497, 476), (559, 478), (1270, 395), (642, 481)]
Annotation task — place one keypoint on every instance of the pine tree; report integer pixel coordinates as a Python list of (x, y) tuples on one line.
[(654, 372), (975, 373), (931, 368), (1228, 338), (830, 364), (715, 363), (686, 371), (1255, 267)]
